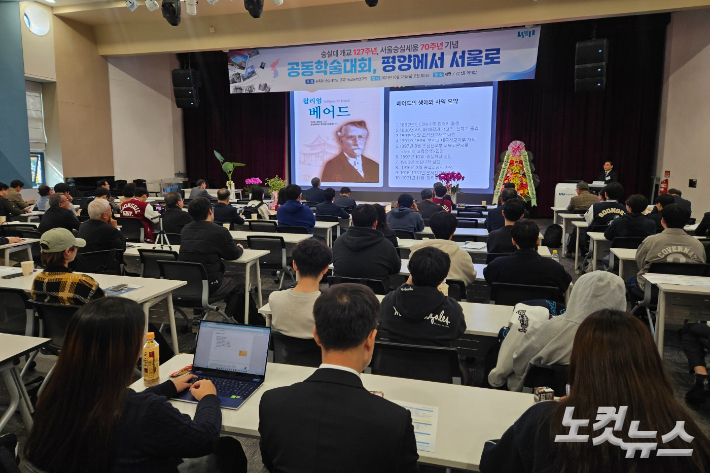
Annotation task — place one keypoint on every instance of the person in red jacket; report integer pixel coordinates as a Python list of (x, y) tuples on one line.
[(137, 207)]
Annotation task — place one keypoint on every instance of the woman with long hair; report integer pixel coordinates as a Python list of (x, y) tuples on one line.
[(88, 420), (615, 364), (383, 226)]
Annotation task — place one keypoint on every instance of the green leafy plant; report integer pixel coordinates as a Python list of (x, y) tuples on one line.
[(227, 166), (276, 183)]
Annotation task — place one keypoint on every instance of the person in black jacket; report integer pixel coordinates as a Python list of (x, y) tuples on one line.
[(495, 219), (101, 230), (500, 241), (224, 212), (344, 200), (58, 215), (678, 199), (526, 266), (315, 193), (427, 207), (105, 193), (363, 252), (7, 208), (608, 175), (327, 207), (384, 227), (174, 218), (703, 226), (418, 313), (633, 223), (661, 201), (330, 421), (210, 244)]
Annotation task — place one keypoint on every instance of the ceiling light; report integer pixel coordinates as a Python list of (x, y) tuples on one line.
[(371, 3), (171, 11), (132, 4), (254, 7), (278, 2), (49, 1), (152, 5)]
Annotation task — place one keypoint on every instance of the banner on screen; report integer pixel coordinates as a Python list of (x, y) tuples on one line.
[(489, 56)]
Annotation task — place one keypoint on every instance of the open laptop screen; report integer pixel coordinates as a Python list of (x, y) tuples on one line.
[(232, 348)]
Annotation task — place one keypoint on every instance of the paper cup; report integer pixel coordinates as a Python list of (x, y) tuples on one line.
[(226, 225), (2, 219), (483, 202), (28, 267), (254, 216)]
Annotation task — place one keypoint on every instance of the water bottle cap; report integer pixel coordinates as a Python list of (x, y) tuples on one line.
[(150, 336)]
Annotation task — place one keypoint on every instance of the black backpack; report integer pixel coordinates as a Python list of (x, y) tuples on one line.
[(248, 211), (553, 236)]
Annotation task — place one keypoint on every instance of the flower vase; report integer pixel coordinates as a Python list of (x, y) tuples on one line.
[(230, 186), (454, 197), (274, 199)]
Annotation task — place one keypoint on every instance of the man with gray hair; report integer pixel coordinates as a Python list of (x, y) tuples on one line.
[(581, 202), (101, 230), (315, 193)]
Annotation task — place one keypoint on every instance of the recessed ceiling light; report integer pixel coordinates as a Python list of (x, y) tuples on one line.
[(49, 1)]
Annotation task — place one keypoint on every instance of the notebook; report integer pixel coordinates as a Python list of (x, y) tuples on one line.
[(233, 357)]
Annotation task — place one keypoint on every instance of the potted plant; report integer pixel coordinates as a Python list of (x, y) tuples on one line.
[(228, 168), (275, 185), (251, 184), (447, 178)]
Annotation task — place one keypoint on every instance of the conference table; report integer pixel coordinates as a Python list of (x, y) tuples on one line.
[(291, 239), (624, 255), (465, 419), (24, 245), (566, 224), (556, 211), (148, 292), (404, 270), (321, 228), (460, 232)]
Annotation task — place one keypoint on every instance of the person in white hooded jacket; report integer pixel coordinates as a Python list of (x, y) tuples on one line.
[(550, 342)]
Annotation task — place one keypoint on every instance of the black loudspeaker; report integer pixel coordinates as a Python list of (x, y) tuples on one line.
[(588, 85), (185, 84), (590, 71), (591, 52), (590, 65)]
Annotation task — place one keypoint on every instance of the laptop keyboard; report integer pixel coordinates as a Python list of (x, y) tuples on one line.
[(231, 388)]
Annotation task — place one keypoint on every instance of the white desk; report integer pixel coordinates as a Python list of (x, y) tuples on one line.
[(460, 407), (579, 225), (556, 211), (404, 270), (289, 238), (29, 216), (623, 255), (465, 232), (15, 222), (599, 243), (24, 245), (321, 228), (11, 348), (407, 245), (566, 224)]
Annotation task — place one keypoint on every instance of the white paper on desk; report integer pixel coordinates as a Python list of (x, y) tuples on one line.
[(109, 291), (474, 245), (8, 271), (425, 420), (677, 279)]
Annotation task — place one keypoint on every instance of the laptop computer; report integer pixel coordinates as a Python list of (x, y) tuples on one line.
[(233, 357)]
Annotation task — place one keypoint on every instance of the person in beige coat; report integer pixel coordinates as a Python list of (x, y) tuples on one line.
[(443, 225)]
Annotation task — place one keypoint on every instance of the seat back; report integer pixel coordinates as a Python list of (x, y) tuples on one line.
[(492, 256), (377, 285), (173, 238), (627, 242), (467, 214), (243, 201), (18, 230), (457, 289), (101, 262), (327, 218), (275, 245), (295, 351), (511, 294), (14, 311), (132, 229), (55, 319), (437, 364), (552, 376), (262, 226), (466, 223), (291, 229), (598, 228), (684, 269), (405, 235), (196, 292), (149, 261)]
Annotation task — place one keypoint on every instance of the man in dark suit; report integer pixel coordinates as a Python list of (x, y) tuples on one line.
[(350, 165), (58, 215), (495, 219), (427, 207), (680, 200), (608, 174), (661, 201), (315, 193), (175, 218), (201, 191), (330, 422), (344, 200), (224, 212)]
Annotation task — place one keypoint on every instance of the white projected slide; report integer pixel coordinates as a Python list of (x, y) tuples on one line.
[(231, 350), (440, 130)]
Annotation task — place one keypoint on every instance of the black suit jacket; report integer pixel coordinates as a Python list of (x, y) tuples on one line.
[(704, 225), (330, 422), (175, 219), (678, 200), (313, 194), (100, 236), (612, 177), (57, 217), (339, 169), (225, 213)]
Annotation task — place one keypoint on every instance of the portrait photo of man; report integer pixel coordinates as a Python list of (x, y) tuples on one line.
[(351, 165)]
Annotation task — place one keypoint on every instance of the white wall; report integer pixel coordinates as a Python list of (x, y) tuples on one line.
[(146, 126), (685, 108)]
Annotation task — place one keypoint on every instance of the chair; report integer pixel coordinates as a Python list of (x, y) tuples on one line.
[(101, 262), (132, 229), (83, 218), (405, 235), (468, 214), (262, 226), (276, 260), (295, 351), (466, 223), (377, 285), (457, 289), (437, 364), (16, 312), (243, 201), (16, 230), (327, 218), (149, 261), (291, 229), (492, 256), (173, 238), (552, 376), (511, 294)]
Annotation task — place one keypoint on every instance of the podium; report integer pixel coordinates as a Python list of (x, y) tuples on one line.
[(564, 191)]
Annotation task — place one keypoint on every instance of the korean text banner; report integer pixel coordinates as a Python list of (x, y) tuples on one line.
[(489, 56)]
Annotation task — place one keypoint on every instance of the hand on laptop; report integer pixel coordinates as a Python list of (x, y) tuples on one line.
[(183, 382), (202, 388)]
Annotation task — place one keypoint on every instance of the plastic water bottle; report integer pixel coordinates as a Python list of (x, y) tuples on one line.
[(151, 360), (555, 256)]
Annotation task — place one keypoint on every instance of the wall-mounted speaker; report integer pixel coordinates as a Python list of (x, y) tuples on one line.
[(590, 65), (185, 84), (589, 85), (593, 51)]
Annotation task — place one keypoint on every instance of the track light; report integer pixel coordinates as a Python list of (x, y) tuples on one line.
[(254, 7), (152, 5), (191, 7), (131, 4), (171, 11), (278, 2), (371, 3)]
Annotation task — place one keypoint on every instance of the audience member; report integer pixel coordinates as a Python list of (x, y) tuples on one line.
[(339, 424), (8, 240), (405, 215), (678, 200), (703, 226), (443, 225), (427, 207), (103, 193), (614, 364), (174, 218), (695, 339), (633, 223), (257, 205), (205, 242), (58, 215), (328, 208), (363, 252), (315, 193), (384, 227), (200, 190), (223, 210), (509, 185), (292, 309), (7, 208), (602, 213), (495, 219), (417, 312), (661, 201), (293, 213), (128, 192), (103, 183), (344, 200), (442, 198), (526, 266), (500, 241), (100, 232), (581, 202), (139, 208), (64, 189), (88, 421), (672, 245), (15, 197), (44, 193)]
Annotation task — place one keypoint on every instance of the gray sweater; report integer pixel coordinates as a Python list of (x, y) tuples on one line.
[(672, 245)]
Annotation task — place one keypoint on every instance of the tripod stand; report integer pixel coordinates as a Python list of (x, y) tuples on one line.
[(161, 238)]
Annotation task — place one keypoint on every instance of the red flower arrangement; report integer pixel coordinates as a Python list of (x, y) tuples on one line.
[(449, 177)]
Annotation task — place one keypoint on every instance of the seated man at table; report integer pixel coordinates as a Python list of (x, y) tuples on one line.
[(44, 194), (330, 421), (442, 198), (223, 210), (500, 241), (105, 194), (292, 309), (64, 189), (633, 223), (405, 216), (328, 208), (58, 215), (495, 219), (679, 200), (526, 266), (205, 242), (672, 245), (602, 213), (7, 208), (293, 213), (581, 202), (427, 207), (139, 208), (363, 252), (417, 312), (104, 184), (344, 200), (101, 231), (200, 190), (443, 225), (315, 193), (661, 201), (174, 217), (16, 198)]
